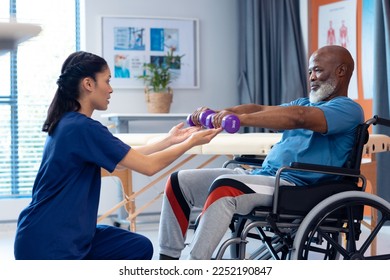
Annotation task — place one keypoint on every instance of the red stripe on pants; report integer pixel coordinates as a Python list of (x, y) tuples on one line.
[(177, 210), (221, 191)]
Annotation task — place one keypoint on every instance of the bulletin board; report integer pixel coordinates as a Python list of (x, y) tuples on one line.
[(130, 42)]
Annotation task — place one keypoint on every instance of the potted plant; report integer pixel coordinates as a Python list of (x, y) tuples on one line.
[(157, 77)]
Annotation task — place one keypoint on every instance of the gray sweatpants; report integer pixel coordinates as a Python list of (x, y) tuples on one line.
[(190, 188)]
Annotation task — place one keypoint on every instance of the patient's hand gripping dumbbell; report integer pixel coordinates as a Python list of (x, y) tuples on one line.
[(199, 120), (230, 123)]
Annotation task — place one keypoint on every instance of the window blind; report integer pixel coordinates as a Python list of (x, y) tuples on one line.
[(28, 78)]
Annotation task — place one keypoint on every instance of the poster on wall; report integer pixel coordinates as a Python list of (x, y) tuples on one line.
[(367, 60), (130, 42), (337, 26)]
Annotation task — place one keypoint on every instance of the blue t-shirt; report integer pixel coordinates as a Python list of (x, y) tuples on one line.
[(60, 221), (342, 115)]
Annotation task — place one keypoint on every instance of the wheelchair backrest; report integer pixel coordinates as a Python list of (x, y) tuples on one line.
[(355, 157), (362, 135)]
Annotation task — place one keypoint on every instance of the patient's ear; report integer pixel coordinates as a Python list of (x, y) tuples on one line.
[(342, 70)]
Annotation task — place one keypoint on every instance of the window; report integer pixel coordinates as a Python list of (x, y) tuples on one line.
[(27, 84)]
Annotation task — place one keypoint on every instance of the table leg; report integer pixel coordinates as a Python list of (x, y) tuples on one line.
[(126, 178)]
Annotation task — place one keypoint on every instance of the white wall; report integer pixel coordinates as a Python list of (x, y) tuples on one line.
[(218, 50)]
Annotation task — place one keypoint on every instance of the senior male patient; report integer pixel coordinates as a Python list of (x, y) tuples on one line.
[(319, 129)]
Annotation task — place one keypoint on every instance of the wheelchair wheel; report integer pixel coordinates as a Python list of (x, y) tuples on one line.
[(264, 242), (341, 215)]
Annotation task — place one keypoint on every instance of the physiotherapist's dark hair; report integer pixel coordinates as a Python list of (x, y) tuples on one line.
[(77, 66)]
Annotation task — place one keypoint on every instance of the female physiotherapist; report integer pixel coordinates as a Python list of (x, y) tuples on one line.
[(60, 221)]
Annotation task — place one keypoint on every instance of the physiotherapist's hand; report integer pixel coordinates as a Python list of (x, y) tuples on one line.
[(178, 134), (204, 136)]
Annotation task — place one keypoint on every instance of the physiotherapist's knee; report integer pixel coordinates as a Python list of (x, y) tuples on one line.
[(148, 249), (145, 248)]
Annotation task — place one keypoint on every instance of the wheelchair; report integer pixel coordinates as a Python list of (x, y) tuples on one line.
[(321, 221)]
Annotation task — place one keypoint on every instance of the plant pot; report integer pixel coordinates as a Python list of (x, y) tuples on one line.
[(158, 102)]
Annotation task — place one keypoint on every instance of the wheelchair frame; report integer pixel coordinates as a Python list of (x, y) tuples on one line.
[(328, 226)]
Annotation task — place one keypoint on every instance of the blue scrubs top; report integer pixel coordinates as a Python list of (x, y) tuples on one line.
[(60, 221), (342, 115)]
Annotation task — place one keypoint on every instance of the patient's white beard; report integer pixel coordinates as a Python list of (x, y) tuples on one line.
[(322, 93)]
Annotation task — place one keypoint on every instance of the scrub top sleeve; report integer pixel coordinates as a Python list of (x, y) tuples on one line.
[(103, 148)]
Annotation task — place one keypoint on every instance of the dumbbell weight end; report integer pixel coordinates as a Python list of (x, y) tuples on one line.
[(231, 123), (203, 117), (209, 121), (189, 120)]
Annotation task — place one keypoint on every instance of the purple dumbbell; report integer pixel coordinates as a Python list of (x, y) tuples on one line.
[(203, 117), (189, 120), (231, 123), (209, 121)]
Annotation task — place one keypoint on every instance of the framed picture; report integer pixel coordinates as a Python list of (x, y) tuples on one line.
[(130, 42)]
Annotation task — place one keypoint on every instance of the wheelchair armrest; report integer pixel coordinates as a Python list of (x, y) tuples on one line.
[(324, 168), (308, 167), (251, 160)]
